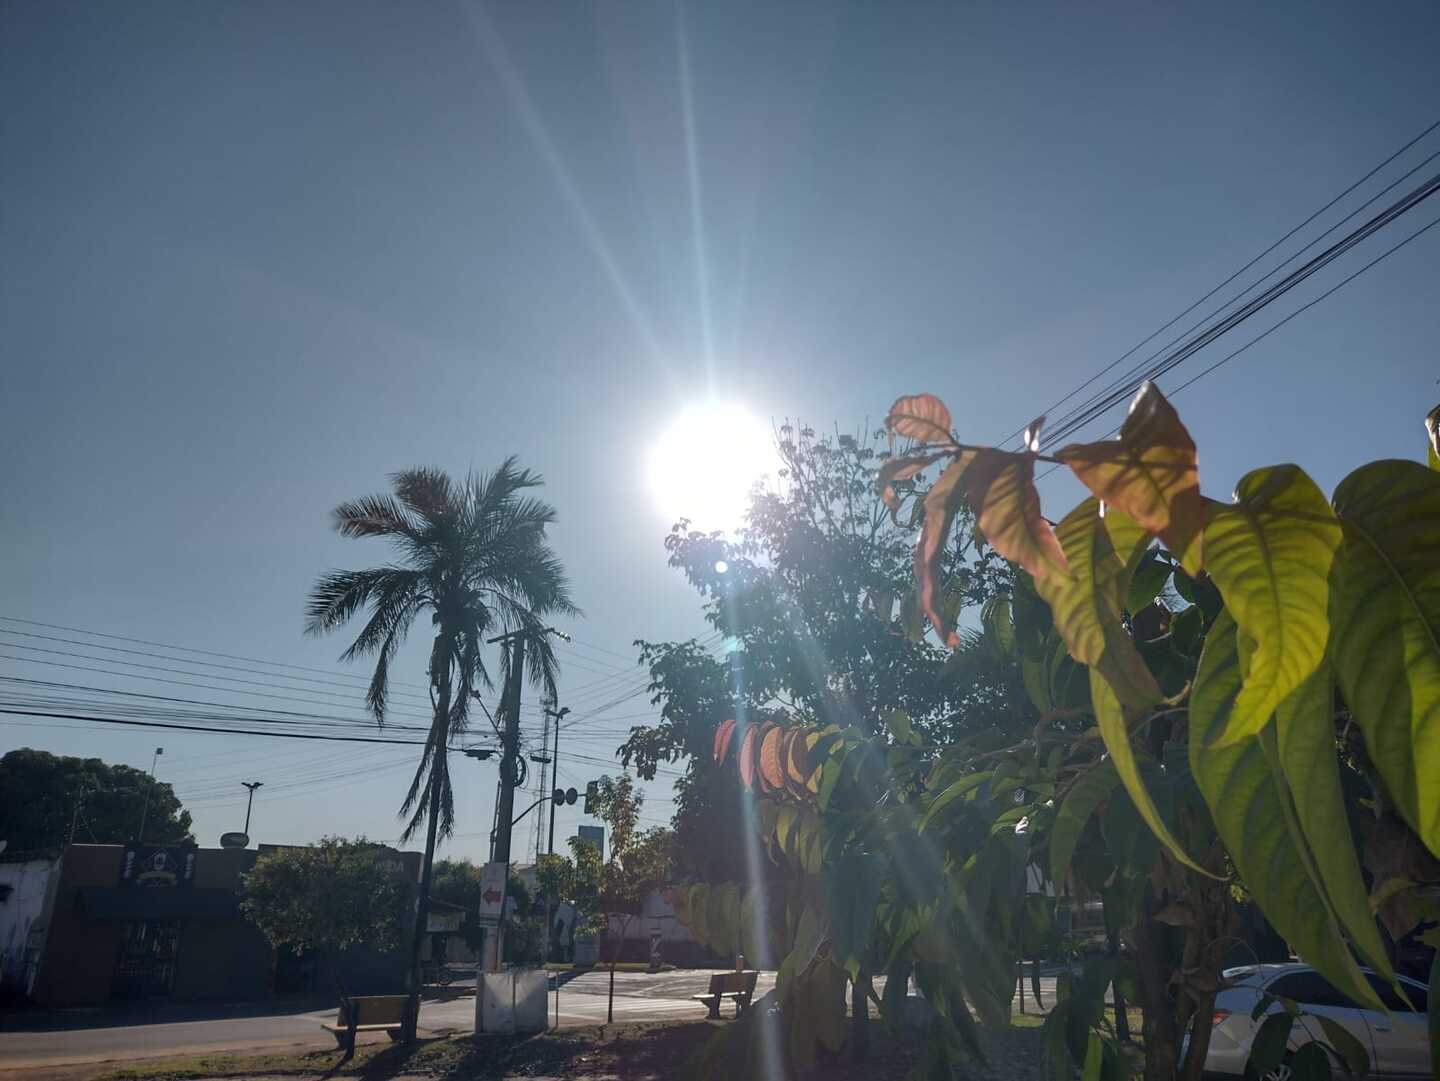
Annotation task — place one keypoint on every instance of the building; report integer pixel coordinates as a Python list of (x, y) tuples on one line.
[(22, 901), (146, 922)]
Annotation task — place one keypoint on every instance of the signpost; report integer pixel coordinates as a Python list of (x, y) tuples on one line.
[(157, 865)]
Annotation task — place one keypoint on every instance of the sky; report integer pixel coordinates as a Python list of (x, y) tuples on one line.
[(256, 257)]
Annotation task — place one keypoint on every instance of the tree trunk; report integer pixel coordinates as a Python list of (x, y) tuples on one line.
[(1155, 963), (614, 958), (859, 1019), (422, 904)]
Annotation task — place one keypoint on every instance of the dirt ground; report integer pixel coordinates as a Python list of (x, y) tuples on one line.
[(642, 1052)]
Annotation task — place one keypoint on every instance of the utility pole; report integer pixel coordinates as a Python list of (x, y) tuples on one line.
[(514, 643), (250, 802), (149, 788), (554, 772)]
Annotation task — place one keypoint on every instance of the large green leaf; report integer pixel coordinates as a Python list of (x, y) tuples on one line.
[(852, 891), (1305, 741), (1087, 603), (1385, 607), (1116, 733), (1085, 795), (1270, 552), (1251, 817)]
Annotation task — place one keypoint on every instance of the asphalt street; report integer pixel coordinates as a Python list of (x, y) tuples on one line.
[(90, 1036)]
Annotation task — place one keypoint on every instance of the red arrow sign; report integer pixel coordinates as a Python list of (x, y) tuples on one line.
[(491, 896)]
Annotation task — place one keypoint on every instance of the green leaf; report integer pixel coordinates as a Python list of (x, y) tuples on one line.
[(829, 778), (1353, 1055), (969, 783), (1432, 430), (1036, 678), (1305, 741), (995, 615), (1270, 553), (1088, 791), (1087, 604), (1310, 1063), (1386, 642), (1433, 1015), (1251, 815), (1268, 1046), (1149, 579), (853, 890), (1116, 733), (1094, 1058)]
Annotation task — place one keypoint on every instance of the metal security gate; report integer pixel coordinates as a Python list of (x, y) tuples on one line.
[(146, 964)]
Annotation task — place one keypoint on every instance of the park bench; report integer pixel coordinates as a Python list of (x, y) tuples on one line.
[(367, 1013), (737, 986)]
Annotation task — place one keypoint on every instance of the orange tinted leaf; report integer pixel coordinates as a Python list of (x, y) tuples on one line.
[(723, 735), (772, 772), (896, 470), (748, 747), (1432, 428), (941, 503), (1150, 473), (1001, 489), (921, 417)]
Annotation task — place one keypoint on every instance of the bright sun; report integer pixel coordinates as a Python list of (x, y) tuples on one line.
[(705, 464)]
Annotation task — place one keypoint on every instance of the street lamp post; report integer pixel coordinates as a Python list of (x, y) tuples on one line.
[(149, 788), (250, 802)]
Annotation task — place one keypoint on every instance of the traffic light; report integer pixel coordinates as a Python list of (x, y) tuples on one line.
[(592, 796)]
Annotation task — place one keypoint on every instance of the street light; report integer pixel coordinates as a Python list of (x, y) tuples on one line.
[(250, 802)]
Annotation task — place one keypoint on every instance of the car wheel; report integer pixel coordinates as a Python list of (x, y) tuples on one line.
[(1282, 1072)]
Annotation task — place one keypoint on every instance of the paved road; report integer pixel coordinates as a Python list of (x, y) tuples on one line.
[(638, 997)]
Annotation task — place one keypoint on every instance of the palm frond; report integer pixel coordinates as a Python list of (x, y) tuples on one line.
[(426, 491), (375, 516)]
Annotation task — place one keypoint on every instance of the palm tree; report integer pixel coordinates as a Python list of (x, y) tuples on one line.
[(474, 555)]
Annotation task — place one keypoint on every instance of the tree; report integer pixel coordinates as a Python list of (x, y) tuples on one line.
[(45, 797), (475, 556), (816, 603), (1187, 749), (328, 896), (638, 864)]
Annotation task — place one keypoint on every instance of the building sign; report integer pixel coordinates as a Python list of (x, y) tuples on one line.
[(492, 890), (151, 865), (447, 922)]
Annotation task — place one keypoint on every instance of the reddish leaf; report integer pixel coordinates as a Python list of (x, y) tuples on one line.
[(1001, 489), (748, 747), (723, 735), (772, 770), (898, 469), (941, 503), (921, 417), (1150, 473)]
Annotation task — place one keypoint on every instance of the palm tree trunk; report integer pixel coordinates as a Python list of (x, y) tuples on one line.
[(422, 916), (422, 906)]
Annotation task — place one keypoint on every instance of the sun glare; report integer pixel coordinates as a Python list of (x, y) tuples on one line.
[(706, 462)]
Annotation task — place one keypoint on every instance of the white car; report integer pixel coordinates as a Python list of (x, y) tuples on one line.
[(1398, 1042)]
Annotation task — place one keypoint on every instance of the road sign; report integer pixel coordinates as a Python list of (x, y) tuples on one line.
[(571, 796), (492, 890)]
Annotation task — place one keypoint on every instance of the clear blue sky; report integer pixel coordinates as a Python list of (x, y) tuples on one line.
[(256, 256)]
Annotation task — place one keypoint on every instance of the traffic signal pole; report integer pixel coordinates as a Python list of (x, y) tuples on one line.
[(555, 772)]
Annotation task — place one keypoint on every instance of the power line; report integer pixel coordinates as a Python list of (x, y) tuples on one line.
[(190, 649), (219, 731), (1392, 212), (1176, 318), (1303, 308)]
